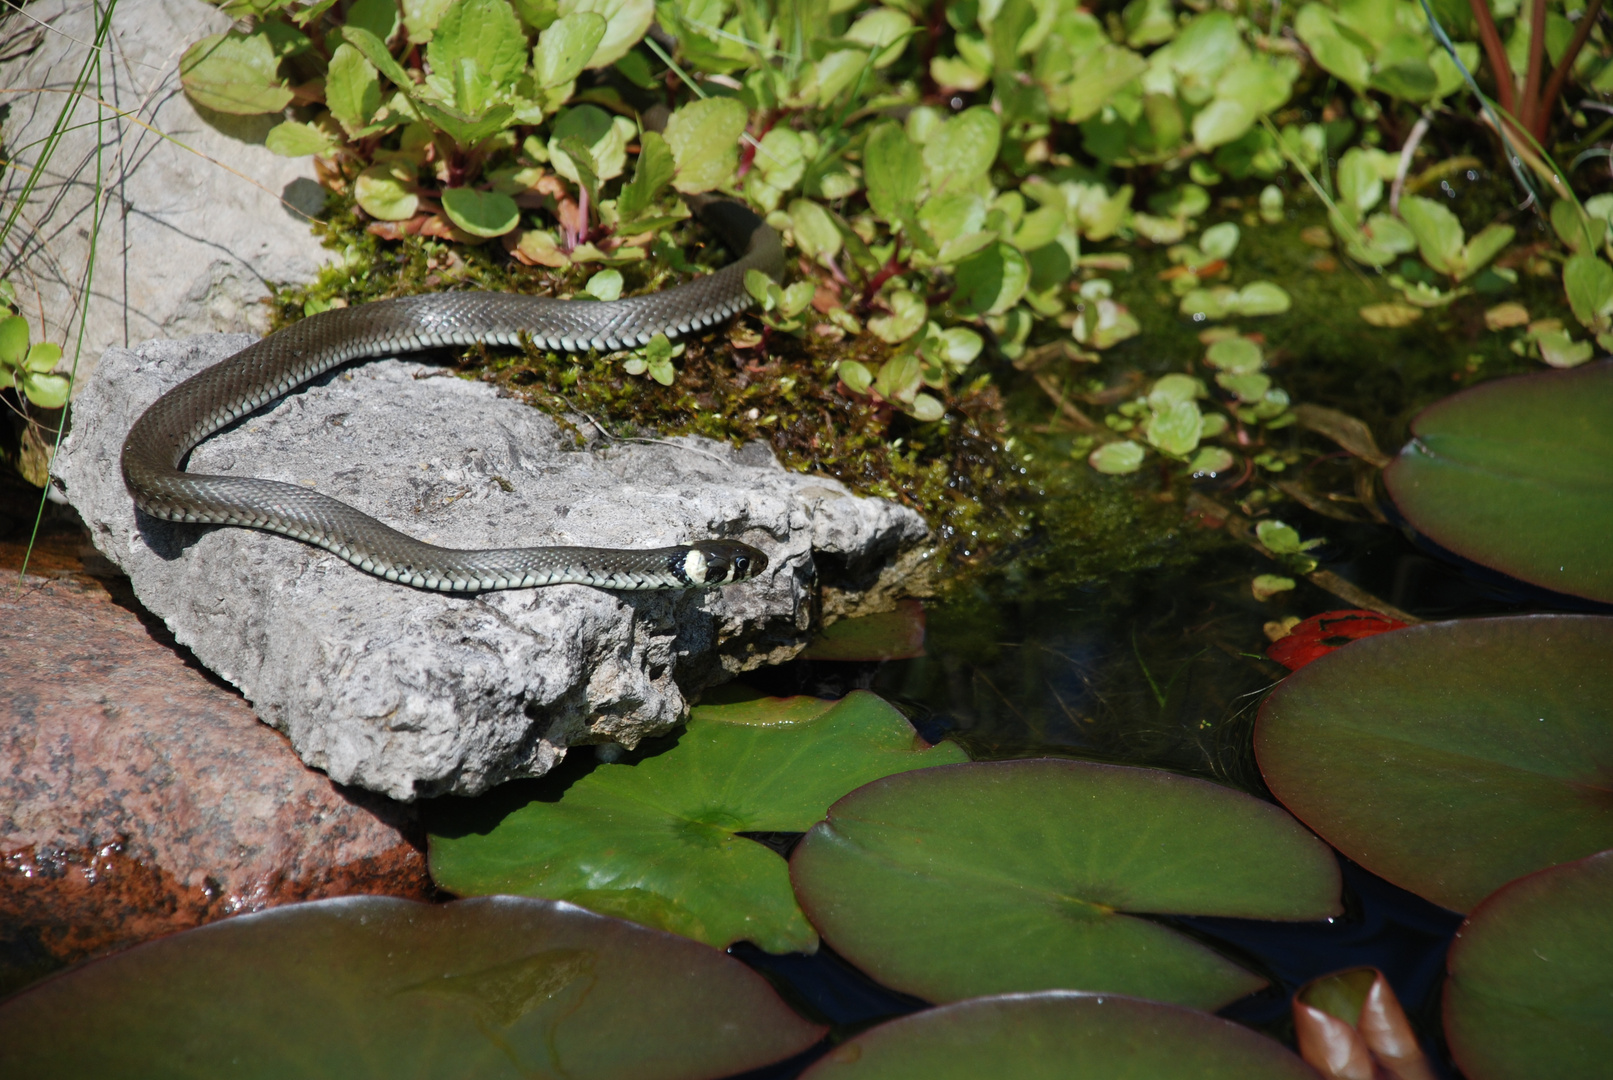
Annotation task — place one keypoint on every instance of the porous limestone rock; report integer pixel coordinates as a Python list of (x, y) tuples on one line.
[(416, 693), (192, 227)]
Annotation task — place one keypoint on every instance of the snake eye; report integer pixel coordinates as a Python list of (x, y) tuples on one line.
[(741, 565)]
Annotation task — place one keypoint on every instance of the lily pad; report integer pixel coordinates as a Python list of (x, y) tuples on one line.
[(658, 841), (1531, 978), (889, 635), (1451, 758), (1012, 876), (1057, 1035), (377, 986), (1514, 474)]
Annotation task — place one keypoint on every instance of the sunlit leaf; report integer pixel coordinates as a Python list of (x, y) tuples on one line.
[(651, 175), (991, 281), (1453, 757), (657, 841), (814, 230), (565, 47), (1117, 458), (484, 31), (704, 139), (291, 139), (961, 150), (625, 23), (892, 170), (234, 73), (934, 882), (352, 88), (386, 192)]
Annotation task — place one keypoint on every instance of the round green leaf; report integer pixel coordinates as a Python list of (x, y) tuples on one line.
[(369, 986), (565, 47), (1451, 757), (484, 32), (1059, 1035), (882, 28), (892, 170), (815, 231), (481, 213), (13, 340), (234, 73), (386, 191), (1531, 978), (1117, 458), (46, 391), (657, 841), (291, 139), (704, 138), (961, 150), (937, 882), (1514, 474), (625, 23), (991, 281)]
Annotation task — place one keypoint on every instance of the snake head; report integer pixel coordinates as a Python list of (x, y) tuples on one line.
[(722, 562)]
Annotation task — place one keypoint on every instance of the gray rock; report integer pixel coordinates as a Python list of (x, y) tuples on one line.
[(185, 244), (413, 693)]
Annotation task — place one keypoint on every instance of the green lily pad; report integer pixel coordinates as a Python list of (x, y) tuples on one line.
[(367, 986), (1058, 1035), (1513, 474), (1531, 978), (937, 883), (657, 841), (1451, 757), (889, 635)]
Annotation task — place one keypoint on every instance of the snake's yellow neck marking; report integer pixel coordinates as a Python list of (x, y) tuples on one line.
[(694, 566)]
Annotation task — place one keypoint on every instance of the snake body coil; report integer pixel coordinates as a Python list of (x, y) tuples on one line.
[(273, 367)]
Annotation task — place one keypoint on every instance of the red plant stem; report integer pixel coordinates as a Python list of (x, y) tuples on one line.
[(891, 268), (1537, 56), (1554, 86), (1496, 53)]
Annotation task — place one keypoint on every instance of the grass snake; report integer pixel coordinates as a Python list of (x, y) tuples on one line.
[(157, 444)]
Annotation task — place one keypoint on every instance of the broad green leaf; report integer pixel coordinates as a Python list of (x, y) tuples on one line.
[(352, 89), (934, 882), (604, 137), (565, 47), (13, 340), (1102, 323), (814, 230), (1117, 458), (955, 348), (625, 23), (537, 14), (1451, 758), (832, 75), (481, 213), (1360, 187), (1482, 248), (991, 281), (1175, 429), (379, 17), (657, 841), (375, 51), (855, 375), (651, 175), (1513, 474), (899, 378), (1219, 241), (420, 17), (1409, 79), (485, 32), (291, 139), (1589, 284), (926, 408), (704, 139), (1220, 122), (42, 356), (1261, 298), (1040, 228), (1236, 356), (1438, 233), (1060, 1035), (1248, 388), (1097, 76), (370, 986), (1334, 53), (960, 152), (907, 317), (883, 28), (234, 73), (1531, 978), (386, 191), (781, 157), (46, 391), (466, 130), (892, 169)]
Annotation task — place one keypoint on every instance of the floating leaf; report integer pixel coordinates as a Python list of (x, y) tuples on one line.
[(234, 73), (1060, 1033), (1513, 474), (934, 882), (1117, 458), (704, 139), (1531, 978), (1453, 757), (889, 635), (657, 841), (376, 986), (481, 213)]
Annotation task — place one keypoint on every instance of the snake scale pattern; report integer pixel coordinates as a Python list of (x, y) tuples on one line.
[(157, 444)]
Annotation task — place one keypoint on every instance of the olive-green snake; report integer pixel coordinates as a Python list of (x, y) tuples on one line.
[(212, 399)]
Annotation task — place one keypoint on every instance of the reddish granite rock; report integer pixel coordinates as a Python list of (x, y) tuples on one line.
[(139, 795)]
